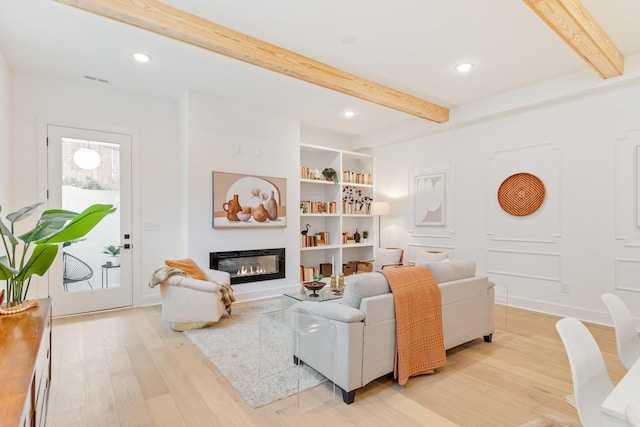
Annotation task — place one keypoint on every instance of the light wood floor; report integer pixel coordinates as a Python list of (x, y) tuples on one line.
[(127, 368)]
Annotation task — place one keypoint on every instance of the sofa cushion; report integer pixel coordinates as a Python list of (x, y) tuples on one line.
[(363, 285), (447, 271)]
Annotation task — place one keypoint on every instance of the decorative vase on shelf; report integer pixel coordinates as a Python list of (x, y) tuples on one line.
[(356, 236), (272, 208)]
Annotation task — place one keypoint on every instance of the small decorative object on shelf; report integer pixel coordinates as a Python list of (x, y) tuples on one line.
[(326, 269), (356, 236), (354, 202), (365, 236), (330, 175)]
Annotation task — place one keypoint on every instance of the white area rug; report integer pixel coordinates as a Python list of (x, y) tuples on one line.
[(252, 349)]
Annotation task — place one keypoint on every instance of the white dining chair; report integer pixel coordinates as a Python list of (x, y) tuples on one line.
[(591, 382), (627, 339), (632, 414)]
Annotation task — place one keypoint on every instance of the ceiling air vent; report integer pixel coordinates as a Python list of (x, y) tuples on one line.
[(96, 79)]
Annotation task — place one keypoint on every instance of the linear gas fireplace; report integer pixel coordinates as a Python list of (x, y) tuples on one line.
[(250, 266)]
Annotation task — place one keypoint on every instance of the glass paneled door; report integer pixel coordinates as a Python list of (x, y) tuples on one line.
[(86, 167)]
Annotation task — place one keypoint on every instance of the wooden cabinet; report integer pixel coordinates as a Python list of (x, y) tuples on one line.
[(25, 366), (329, 210)]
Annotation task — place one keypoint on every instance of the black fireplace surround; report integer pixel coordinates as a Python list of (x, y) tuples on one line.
[(250, 266)]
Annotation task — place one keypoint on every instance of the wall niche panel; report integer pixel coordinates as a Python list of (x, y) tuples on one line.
[(529, 264), (627, 273), (627, 187), (543, 225)]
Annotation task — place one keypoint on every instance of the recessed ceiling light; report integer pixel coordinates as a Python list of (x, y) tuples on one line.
[(464, 67), (141, 57), (348, 114)]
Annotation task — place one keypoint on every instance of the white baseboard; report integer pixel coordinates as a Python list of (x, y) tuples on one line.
[(599, 317)]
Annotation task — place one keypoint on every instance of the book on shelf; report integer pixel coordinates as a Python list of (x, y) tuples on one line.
[(318, 239), (317, 207), (306, 273), (357, 178)]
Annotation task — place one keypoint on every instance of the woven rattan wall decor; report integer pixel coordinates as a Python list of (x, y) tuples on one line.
[(521, 194)]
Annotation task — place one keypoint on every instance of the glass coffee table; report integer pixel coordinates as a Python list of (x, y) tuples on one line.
[(286, 335), (323, 295)]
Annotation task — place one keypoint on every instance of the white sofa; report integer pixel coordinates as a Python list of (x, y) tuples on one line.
[(365, 327)]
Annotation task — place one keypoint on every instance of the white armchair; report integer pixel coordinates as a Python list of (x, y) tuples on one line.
[(385, 258), (189, 303)]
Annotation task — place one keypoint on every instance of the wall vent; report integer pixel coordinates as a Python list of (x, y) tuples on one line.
[(96, 79)]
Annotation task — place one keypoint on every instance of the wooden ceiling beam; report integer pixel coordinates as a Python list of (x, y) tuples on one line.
[(573, 23), (163, 19)]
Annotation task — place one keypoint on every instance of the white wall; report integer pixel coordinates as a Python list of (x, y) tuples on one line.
[(37, 100), (571, 241), (5, 135), (326, 138), (224, 136)]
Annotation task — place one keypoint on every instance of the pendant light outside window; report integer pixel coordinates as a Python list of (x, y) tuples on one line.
[(86, 158)]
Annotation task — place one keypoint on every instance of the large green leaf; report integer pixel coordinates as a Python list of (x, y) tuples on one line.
[(81, 224), (51, 221), (42, 231), (23, 213), (6, 232), (6, 271), (39, 262), (57, 215)]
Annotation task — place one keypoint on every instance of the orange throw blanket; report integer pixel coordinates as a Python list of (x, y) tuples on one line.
[(419, 336)]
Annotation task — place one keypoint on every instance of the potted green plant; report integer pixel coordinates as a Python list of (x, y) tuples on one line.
[(40, 245), (330, 175), (113, 251)]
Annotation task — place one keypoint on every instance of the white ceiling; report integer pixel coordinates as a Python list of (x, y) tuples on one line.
[(409, 45)]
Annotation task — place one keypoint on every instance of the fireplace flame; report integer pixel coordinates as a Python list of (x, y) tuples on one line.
[(250, 270)]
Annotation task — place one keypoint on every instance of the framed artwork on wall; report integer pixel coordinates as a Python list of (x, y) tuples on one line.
[(244, 201), (430, 198)]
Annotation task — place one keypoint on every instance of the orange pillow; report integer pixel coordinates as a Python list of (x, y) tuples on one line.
[(187, 265)]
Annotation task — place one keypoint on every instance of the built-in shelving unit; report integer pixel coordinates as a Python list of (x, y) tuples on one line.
[(334, 210)]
